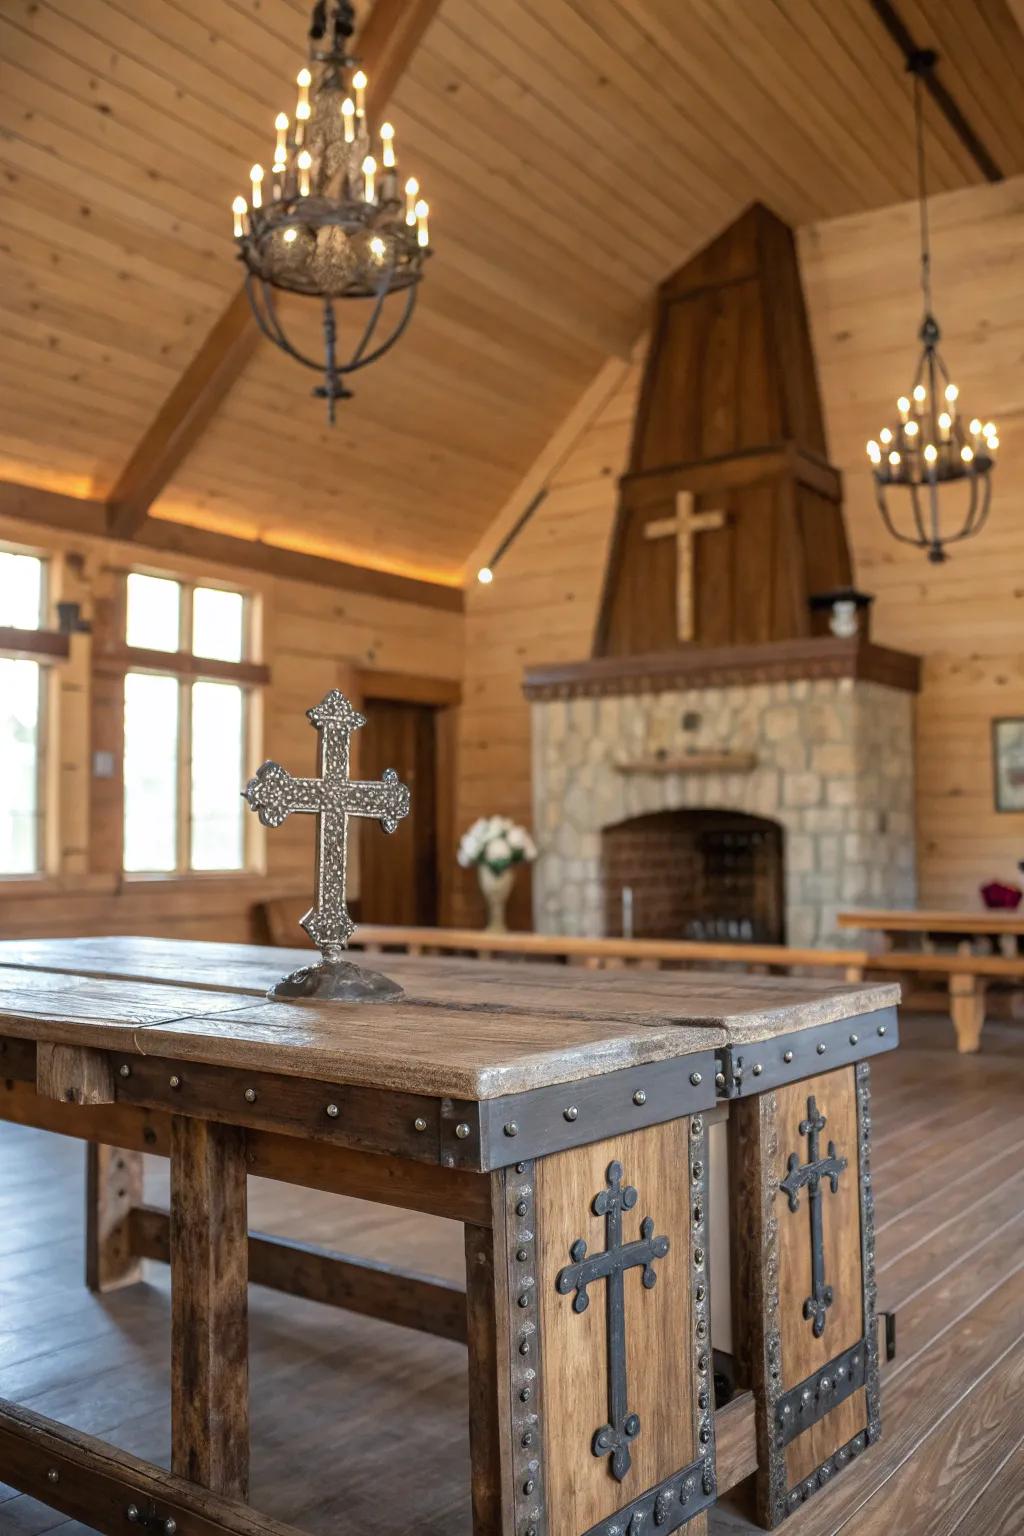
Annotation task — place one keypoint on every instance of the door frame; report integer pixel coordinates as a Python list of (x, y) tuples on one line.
[(444, 696)]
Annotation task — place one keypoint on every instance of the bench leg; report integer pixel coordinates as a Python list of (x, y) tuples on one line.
[(209, 1307), (967, 1010), (113, 1185)]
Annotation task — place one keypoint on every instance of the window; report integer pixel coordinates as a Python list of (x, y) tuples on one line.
[(21, 607), (186, 726)]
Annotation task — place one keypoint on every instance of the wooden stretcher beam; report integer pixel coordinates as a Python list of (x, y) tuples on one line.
[(366, 1286)]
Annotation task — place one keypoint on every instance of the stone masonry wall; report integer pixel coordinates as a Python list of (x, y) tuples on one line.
[(834, 768)]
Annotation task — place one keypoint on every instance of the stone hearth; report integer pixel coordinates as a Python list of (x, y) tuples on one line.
[(827, 757)]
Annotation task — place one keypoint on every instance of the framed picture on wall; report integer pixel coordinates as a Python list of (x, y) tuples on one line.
[(1008, 763)]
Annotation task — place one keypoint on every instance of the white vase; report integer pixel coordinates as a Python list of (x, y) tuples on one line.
[(497, 889)]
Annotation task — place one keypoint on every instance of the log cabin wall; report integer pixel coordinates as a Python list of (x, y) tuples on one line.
[(964, 618), (312, 638)]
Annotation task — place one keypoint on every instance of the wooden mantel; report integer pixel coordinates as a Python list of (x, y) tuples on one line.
[(781, 661)]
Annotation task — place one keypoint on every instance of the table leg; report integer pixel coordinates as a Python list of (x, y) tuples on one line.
[(967, 1011), (490, 1386), (209, 1307), (113, 1185)]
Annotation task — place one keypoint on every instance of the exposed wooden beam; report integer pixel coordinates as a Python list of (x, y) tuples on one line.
[(183, 417), (385, 46), (89, 519), (900, 33)]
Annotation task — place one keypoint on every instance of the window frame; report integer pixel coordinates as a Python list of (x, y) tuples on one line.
[(188, 668), (44, 648)]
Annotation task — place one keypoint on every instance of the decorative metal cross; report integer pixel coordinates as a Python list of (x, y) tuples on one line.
[(810, 1175), (682, 526), (622, 1427), (274, 794)]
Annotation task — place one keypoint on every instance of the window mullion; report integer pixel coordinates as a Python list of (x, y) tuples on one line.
[(184, 776)]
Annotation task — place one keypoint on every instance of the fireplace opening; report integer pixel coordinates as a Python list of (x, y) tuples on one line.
[(694, 874)]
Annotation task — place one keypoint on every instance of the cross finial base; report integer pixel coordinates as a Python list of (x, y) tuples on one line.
[(338, 981)]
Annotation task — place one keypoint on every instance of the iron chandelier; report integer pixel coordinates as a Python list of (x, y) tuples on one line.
[(330, 221), (929, 448)]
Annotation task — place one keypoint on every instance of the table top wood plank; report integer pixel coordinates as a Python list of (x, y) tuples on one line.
[(748, 1007)]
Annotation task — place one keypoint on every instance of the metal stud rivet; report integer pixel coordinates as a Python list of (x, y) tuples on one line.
[(522, 1255), (175, 1082), (881, 1029), (719, 1079), (698, 1256), (854, 1039), (640, 1097), (787, 1056), (251, 1095), (124, 1070), (757, 1069), (701, 1292), (522, 1208), (511, 1129), (820, 1047), (462, 1130), (333, 1111), (528, 1437), (53, 1476), (696, 1079), (520, 1167), (571, 1113), (525, 1395), (524, 1299), (524, 1348), (419, 1124)]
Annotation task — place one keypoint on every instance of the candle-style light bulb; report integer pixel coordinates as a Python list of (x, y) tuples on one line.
[(920, 393), (989, 429), (967, 453), (874, 452), (239, 208), (992, 443), (412, 192), (894, 458), (886, 435), (931, 453), (256, 177), (912, 429), (301, 119), (422, 213), (359, 86), (369, 178), (945, 423), (952, 393), (348, 117), (281, 147), (303, 80), (903, 406), (975, 427), (387, 146), (305, 164)]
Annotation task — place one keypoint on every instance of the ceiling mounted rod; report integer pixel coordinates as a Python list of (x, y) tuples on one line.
[(897, 29)]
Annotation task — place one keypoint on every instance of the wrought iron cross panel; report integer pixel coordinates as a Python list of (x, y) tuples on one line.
[(332, 797), (611, 1265), (810, 1176)]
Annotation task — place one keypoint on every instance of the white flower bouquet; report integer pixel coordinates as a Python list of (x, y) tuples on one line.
[(497, 842)]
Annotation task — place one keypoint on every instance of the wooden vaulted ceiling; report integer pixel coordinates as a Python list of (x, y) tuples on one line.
[(574, 152)]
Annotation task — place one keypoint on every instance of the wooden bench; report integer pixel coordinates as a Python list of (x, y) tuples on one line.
[(966, 977)]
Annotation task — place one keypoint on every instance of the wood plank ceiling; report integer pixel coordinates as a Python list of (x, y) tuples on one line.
[(574, 152)]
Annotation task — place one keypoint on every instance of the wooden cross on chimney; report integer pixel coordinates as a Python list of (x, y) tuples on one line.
[(683, 527)]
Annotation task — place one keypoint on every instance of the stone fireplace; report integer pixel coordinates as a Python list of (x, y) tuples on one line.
[(806, 747)]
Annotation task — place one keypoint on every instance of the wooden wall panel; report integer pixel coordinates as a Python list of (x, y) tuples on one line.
[(313, 637), (965, 617)]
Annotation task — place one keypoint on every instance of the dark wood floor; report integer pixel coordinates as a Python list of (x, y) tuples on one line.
[(358, 1425)]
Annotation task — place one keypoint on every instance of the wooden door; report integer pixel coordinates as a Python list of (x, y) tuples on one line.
[(398, 874)]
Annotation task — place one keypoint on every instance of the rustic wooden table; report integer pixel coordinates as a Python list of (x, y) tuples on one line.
[(563, 1121)]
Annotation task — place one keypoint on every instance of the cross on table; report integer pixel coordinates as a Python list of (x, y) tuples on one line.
[(682, 526), (811, 1175), (332, 797), (622, 1427)]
